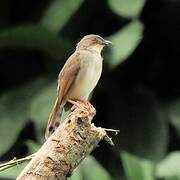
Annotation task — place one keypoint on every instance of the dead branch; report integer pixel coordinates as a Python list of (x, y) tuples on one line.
[(66, 148)]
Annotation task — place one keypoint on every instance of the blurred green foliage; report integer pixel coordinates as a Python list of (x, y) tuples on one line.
[(58, 13), (136, 168), (124, 42), (127, 8), (32, 101)]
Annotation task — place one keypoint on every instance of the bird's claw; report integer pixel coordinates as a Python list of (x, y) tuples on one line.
[(85, 105)]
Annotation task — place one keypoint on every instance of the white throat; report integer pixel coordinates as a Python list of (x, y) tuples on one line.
[(97, 48)]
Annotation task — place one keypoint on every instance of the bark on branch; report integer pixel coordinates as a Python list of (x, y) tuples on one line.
[(66, 148)]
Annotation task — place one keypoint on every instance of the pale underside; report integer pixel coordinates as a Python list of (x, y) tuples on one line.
[(87, 77)]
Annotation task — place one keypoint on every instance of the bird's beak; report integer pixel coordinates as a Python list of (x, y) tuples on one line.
[(106, 42)]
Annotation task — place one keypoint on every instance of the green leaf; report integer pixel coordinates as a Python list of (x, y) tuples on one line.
[(32, 146), (12, 172), (170, 166), (125, 42), (77, 174), (14, 111), (127, 8), (174, 115), (35, 37), (42, 103), (59, 13), (90, 169), (143, 125), (137, 168), (40, 107), (172, 178)]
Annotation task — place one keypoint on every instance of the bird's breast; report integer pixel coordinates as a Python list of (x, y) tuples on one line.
[(87, 78)]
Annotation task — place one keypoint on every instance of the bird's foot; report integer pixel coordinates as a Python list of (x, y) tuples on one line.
[(88, 105), (75, 104), (85, 105)]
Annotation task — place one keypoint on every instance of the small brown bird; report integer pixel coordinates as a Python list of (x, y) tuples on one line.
[(78, 77)]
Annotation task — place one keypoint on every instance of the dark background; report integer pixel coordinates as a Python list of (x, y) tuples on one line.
[(138, 95)]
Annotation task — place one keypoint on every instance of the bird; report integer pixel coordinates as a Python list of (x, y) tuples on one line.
[(78, 77)]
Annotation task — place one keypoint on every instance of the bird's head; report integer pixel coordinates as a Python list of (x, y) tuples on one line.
[(92, 42)]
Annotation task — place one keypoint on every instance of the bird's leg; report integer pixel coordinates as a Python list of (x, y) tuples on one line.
[(88, 105), (81, 104), (75, 104)]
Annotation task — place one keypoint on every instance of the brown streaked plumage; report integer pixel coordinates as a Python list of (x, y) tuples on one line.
[(78, 77)]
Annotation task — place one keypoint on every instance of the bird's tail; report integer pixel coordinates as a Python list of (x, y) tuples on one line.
[(54, 118)]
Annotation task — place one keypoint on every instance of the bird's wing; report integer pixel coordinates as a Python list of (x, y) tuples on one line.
[(68, 75), (65, 80)]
